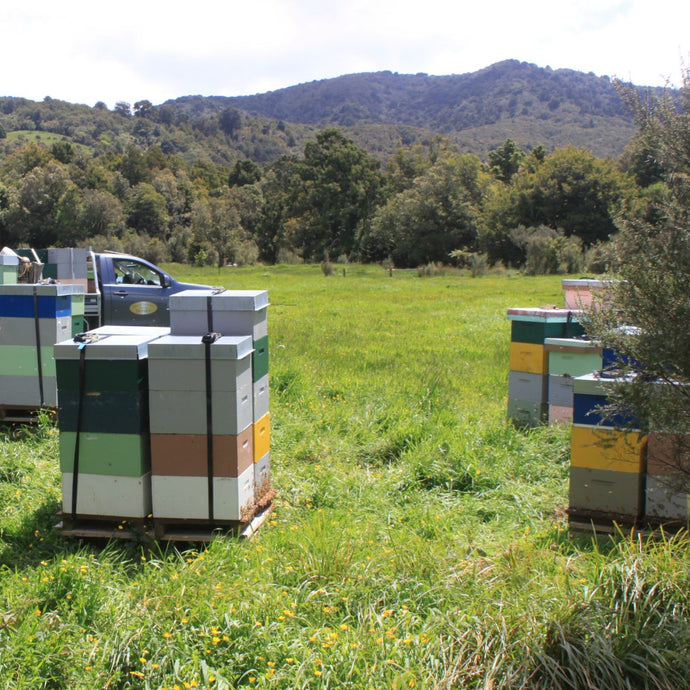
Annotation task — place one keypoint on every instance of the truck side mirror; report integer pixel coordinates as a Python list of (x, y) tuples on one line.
[(165, 280)]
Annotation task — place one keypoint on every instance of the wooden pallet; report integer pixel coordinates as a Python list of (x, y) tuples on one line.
[(609, 525), (151, 530)]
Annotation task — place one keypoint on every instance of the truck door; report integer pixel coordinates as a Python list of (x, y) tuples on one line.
[(139, 296)]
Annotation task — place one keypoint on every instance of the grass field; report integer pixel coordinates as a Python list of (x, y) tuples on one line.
[(417, 541)]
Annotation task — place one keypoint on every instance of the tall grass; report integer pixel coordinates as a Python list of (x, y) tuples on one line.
[(417, 539)]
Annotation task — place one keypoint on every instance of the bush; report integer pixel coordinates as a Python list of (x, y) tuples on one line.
[(430, 270), (246, 253), (548, 251)]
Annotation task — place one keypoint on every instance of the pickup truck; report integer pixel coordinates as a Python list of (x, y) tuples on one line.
[(120, 289), (127, 290)]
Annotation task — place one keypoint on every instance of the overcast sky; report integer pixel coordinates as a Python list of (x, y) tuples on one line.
[(129, 50)]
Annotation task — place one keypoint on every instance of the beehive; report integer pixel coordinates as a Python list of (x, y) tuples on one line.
[(236, 313), (32, 319), (528, 362), (201, 438), (568, 358), (607, 454), (103, 419)]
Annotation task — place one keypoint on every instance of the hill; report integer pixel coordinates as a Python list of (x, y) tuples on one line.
[(477, 111), (380, 111)]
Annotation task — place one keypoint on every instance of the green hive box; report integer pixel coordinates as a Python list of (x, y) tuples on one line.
[(8, 275), (260, 359), (22, 360), (124, 455), (535, 325), (526, 412), (103, 375), (572, 356)]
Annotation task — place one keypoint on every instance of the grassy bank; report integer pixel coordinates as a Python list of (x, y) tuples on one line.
[(418, 539)]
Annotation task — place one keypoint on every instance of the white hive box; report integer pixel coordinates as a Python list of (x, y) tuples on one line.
[(186, 498), (108, 496)]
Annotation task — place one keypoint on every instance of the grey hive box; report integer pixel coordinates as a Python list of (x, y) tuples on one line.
[(22, 330), (529, 387), (667, 497), (606, 491), (108, 347), (561, 391), (177, 385), (234, 312), (186, 498), (178, 363)]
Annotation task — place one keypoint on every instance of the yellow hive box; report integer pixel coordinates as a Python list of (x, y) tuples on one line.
[(607, 449), (262, 437), (529, 357)]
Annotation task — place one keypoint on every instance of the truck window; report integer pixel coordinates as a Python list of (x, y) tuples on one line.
[(134, 273)]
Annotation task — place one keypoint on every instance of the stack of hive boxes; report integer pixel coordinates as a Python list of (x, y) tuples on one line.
[(607, 456), (210, 427), (528, 378), (32, 319), (104, 424), (568, 358)]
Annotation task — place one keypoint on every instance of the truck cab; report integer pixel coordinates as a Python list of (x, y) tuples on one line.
[(132, 290)]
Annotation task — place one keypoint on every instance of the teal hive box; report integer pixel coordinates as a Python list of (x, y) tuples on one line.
[(103, 375), (114, 412)]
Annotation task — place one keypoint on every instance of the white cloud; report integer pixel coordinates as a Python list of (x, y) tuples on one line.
[(85, 52)]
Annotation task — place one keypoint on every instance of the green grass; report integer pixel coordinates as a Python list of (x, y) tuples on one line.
[(417, 540)]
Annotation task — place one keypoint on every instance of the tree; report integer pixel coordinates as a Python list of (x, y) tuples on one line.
[(123, 108), (649, 324), (574, 191), (340, 188), (436, 215), (147, 211), (244, 172), (143, 109), (230, 121), (505, 161)]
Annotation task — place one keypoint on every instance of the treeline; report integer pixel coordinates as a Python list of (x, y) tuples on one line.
[(428, 204)]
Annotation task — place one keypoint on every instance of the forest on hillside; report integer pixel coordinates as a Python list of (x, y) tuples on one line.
[(222, 186)]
